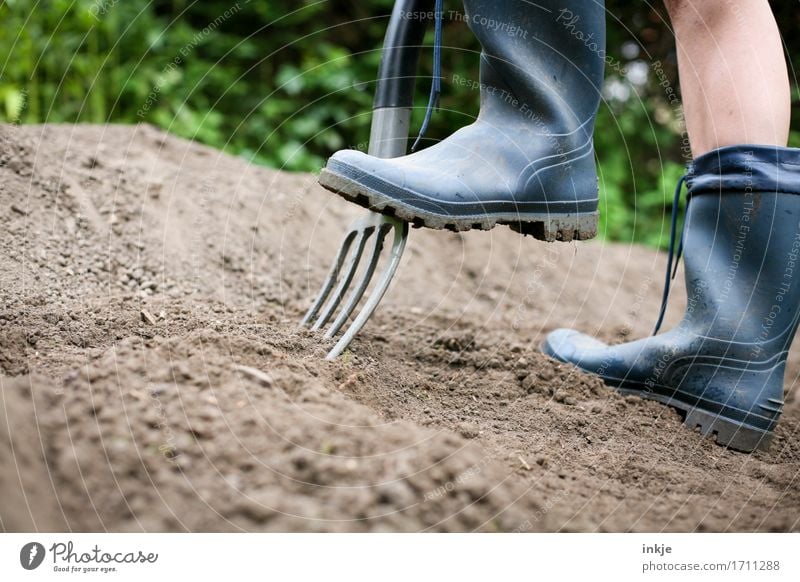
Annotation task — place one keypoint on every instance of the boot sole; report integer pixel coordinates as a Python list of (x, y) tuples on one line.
[(548, 226), (726, 432)]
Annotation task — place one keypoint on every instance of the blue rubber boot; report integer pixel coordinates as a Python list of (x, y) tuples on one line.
[(528, 159), (723, 365)]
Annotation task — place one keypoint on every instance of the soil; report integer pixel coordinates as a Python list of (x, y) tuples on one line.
[(154, 377)]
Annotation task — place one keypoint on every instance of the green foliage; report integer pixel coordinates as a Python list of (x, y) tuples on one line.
[(287, 83)]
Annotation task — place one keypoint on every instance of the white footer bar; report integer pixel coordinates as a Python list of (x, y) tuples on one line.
[(402, 557)]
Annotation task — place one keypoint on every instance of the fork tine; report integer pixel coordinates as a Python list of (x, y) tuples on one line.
[(358, 292), (346, 279), (398, 245), (330, 279)]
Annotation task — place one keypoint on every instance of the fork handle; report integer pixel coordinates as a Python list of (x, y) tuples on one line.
[(397, 75), (400, 56)]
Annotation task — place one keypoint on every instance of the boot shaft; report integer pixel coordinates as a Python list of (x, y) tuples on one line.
[(742, 240), (542, 62)]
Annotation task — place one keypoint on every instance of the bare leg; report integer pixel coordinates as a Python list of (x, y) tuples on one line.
[(733, 74)]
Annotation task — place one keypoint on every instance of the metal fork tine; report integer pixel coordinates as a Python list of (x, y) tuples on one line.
[(388, 138), (346, 279), (330, 280), (398, 245), (358, 292)]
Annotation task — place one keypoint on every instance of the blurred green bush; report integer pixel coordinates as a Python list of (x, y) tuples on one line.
[(286, 83)]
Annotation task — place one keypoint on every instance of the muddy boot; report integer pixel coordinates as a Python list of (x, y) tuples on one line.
[(528, 160), (723, 365)]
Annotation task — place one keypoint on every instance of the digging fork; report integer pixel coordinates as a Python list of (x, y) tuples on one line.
[(391, 117)]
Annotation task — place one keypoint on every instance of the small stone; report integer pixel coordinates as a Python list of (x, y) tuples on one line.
[(545, 374), (468, 430)]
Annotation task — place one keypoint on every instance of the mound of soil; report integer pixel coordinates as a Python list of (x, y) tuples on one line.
[(154, 378)]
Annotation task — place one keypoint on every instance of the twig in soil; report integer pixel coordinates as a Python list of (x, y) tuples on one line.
[(19, 210), (525, 465), (147, 317), (254, 374)]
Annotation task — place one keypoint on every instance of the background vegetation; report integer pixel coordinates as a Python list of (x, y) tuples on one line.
[(286, 83)]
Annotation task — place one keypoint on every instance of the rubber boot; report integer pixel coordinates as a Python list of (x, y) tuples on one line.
[(528, 159), (723, 365)]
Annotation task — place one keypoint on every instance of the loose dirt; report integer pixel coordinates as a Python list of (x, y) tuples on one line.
[(154, 378)]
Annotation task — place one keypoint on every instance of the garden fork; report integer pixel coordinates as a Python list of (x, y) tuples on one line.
[(391, 117)]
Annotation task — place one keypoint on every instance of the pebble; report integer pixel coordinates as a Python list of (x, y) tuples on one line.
[(545, 374), (468, 430), (528, 382)]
